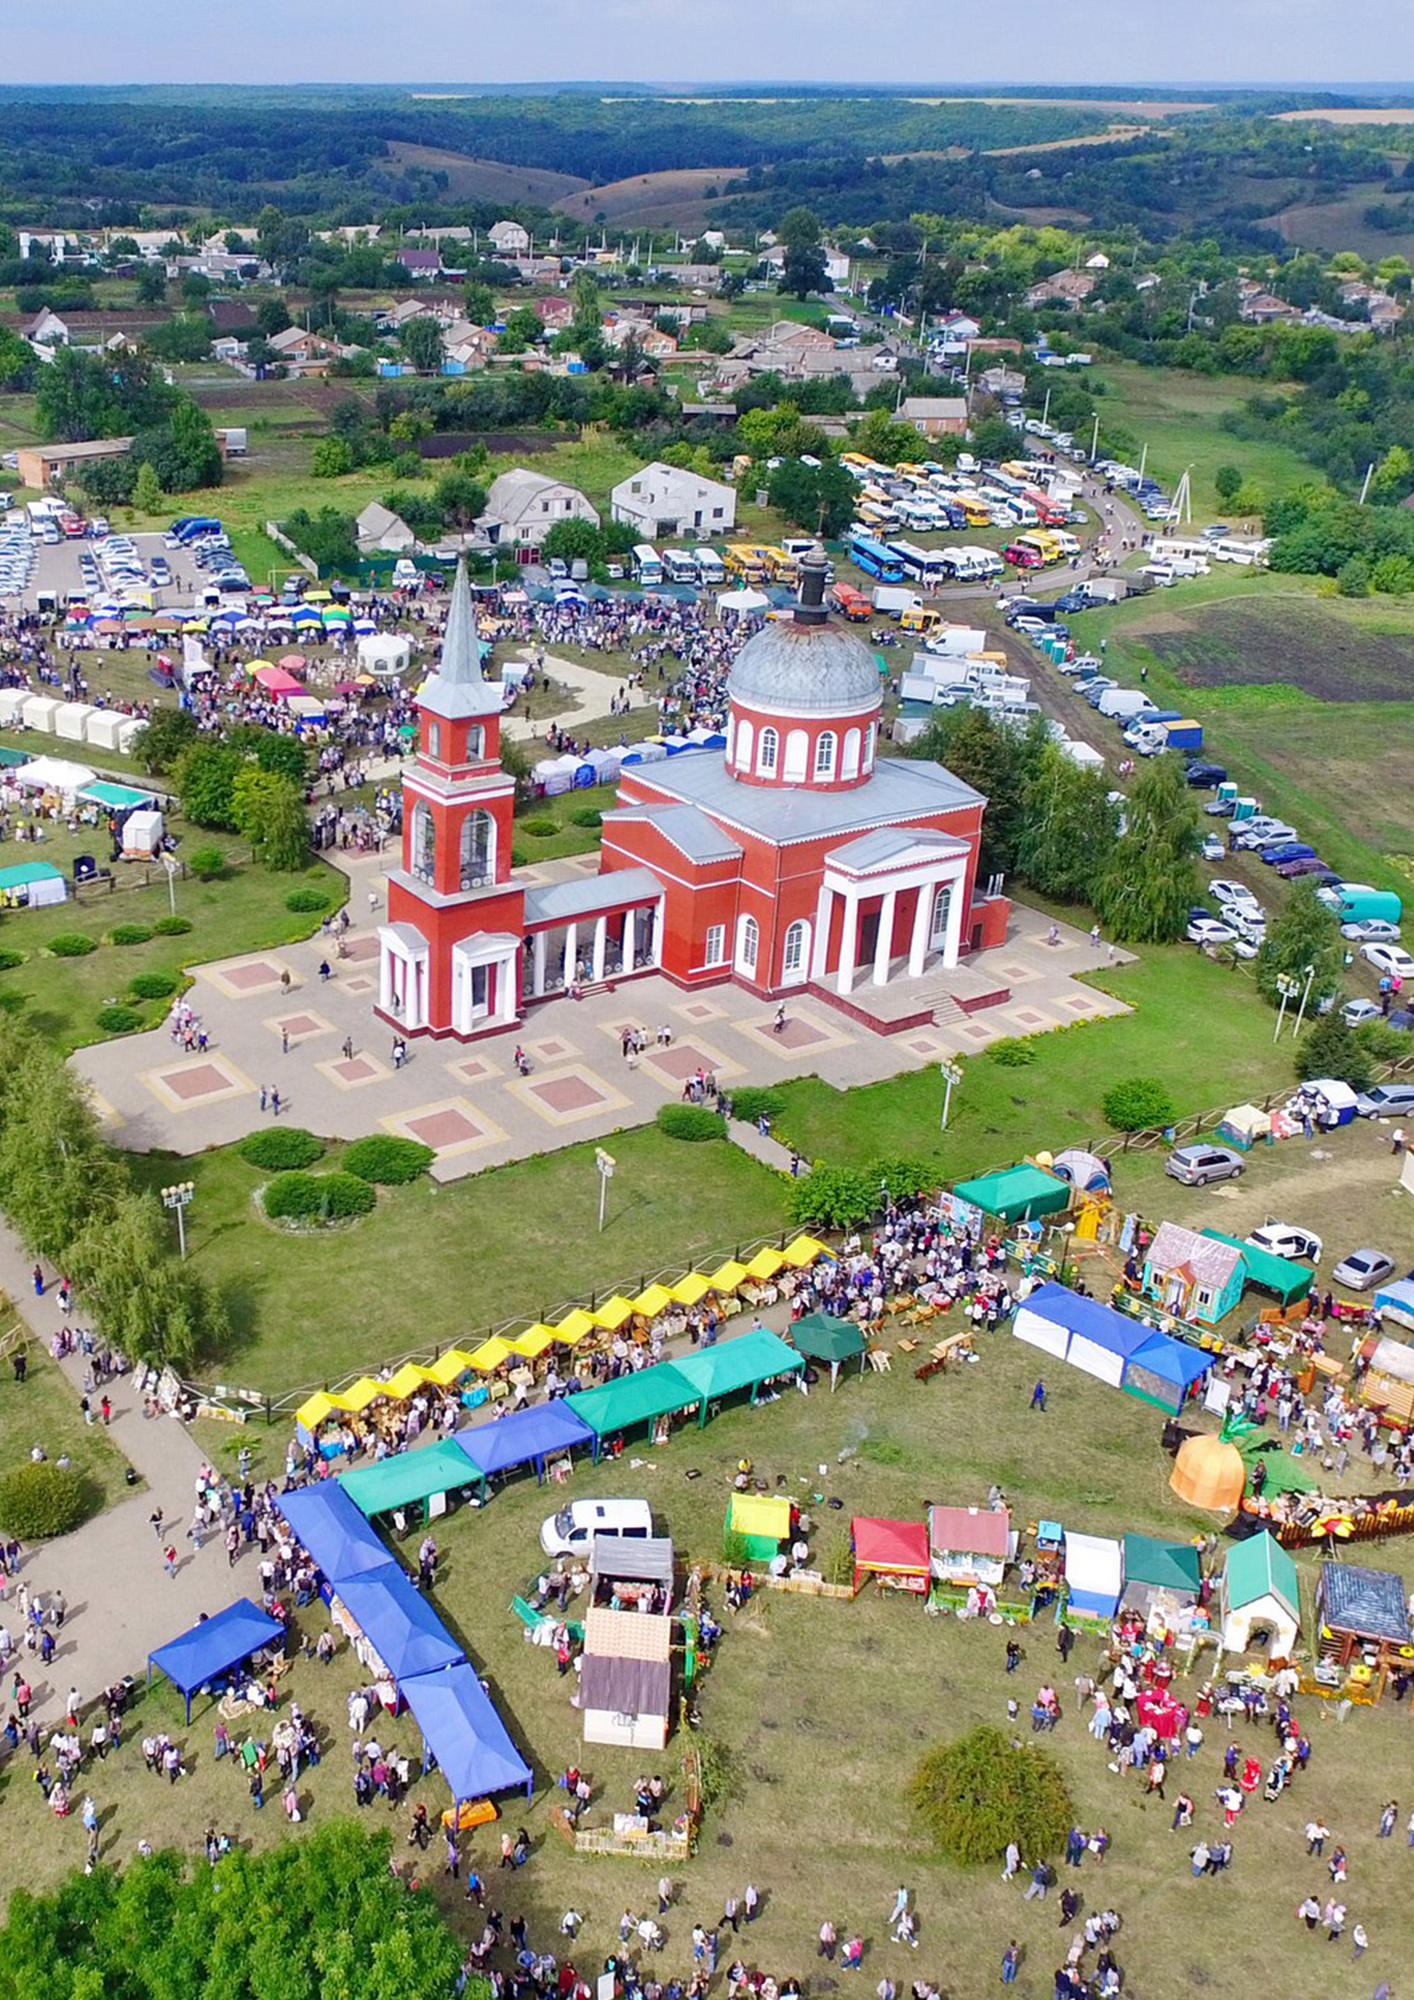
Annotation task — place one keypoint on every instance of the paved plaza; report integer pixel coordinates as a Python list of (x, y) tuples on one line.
[(275, 1025)]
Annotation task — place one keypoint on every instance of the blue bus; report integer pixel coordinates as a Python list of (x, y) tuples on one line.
[(875, 560)]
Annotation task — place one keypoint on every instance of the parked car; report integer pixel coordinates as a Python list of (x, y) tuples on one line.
[(1195, 1166), (1371, 930), (1213, 848), (1207, 930), (1284, 1239), (1389, 958), (1362, 1270), (1356, 1012), (1203, 775), (1243, 917), (1387, 1100), (1258, 834), (1307, 864), (1286, 850), (572, 1530)]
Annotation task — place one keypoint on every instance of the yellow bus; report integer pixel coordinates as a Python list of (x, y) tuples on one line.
[(1045, 546), (781, 567), (979, 514), (744, 562)]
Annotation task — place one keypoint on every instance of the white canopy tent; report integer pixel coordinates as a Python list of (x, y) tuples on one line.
[(744, 601), (384, 652), (53, 774)]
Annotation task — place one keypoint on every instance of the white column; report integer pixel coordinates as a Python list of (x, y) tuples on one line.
[(849, 943), (506, 988), (571, 952), (820, 948), (954, 932), (883, 944), (385, 976), (601, 938), (922, 917), (655, 939), (537, 976)]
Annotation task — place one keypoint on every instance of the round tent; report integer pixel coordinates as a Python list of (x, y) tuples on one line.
[(1082, 1170), (1209, 1473)]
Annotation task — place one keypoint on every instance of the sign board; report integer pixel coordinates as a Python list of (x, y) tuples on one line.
[(605, 1162)]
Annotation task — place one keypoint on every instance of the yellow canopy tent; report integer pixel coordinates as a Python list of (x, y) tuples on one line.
[(448, 1367), (490, 1354), (655, 1300), (692, 1289), (765, 1263), (365, 1391), (614, 1312), (756, 1514), (574, 1326), (319, 1408), (534, 1340), (406, 1382), (729, 1276), (804, 1250)]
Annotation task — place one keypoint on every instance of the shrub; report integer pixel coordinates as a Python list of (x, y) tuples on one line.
[(72, 944), (129, 934), (37, 1501), (1377, 1038), (1012, 1052), (279, 1147), (1137, 1104), (1330, 1048), (756, 1101), (171, 927), (690, 1121), (10, 959), (982, 1790), (116, 1019), (316, 1198), (589, 816), (541, 826), (206, 863), (11, 1003), (153, 985), (306, 902), (519, 857), (387, 1160), (833, 1197)]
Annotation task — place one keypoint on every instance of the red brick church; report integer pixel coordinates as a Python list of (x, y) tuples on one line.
[(798, 856)]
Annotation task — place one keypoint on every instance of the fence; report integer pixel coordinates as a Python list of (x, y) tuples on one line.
[(1188, 1128)]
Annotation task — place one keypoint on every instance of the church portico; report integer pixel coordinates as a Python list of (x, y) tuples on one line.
[(897, 894)]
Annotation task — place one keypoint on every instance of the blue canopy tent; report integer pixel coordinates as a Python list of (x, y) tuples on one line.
[(1089, 1335), (526, 1437), (213, 1647), (326, 1522), (1164, 1371), (400, 1625), (461, 1729)]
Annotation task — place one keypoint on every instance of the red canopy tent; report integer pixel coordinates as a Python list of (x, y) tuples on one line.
[(275, 680), (896, 1552)]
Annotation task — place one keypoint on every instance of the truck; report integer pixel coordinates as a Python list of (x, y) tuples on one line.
[(1103, 589), (893, 599)]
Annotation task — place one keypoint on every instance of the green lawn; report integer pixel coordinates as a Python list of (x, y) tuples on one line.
[(244, 911), (441, 1264), (44, 1410), (567, 838), (1198, 1028), (1178, 416)]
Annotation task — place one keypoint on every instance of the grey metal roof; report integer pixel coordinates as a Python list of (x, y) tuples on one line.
[(687, 828), (900, 788), (808, 667), (625, 1687), (629, 1561), (456, 690), (1369, 1602), (876, 850), (563, 902)]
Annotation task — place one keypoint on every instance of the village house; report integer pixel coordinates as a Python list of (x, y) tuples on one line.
[(936, 416), (378, 527), (665, 500), (523, 506), (509, 239), (1065, 288)]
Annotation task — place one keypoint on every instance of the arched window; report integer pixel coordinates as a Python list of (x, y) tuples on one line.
[(766, 755), (825, 754), (424, 843), (745, 743), (475, 742), (478, 857), (748, 944), (434, 739), (849, 765), (797, 751), (796, 952), (731, 740), (869, 747), (942, 907)]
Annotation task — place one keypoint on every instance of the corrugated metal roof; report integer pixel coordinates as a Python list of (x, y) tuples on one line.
[(563, 902), (1210, 1261), (686, 828), (624, 1687), (900, 788)]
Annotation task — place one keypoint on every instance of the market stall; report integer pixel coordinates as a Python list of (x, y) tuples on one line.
[(393, 1629), (331, 1529), (410, 1479), (525, 1437), (1166, 1372), (625, 1679), (1260, 1598), (463, 1733), (894, 1553), (970, 1545), (1017, 1194), (1094, 1575), (1364, 1624), (216, 1647), (756, 1526), (822, 1337)]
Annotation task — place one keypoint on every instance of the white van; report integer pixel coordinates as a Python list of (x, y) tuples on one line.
[(572, 1530)]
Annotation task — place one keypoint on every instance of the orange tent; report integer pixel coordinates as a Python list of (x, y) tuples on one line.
[(1209, 1473)]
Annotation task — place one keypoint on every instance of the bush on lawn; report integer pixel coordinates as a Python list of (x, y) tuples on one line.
[(1377, 1038), (755, 1102), (1330, 1048), (280, 1147), (72, 944), (37, 1501), (833, 1197), (317, 1198), (171, 927), (153, 985), (306, 902), (519, 857), (982, 1790), (10, 959), (207, 863), (690, 1121), (387, 1160), (541, 826), (129, 934), (1138, 1104), (1012, 1052), (11, 1003), (589, 816), (116, 1019)]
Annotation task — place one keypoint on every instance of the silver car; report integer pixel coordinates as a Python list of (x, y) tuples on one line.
[(1196, 1165), (1362, 1270)]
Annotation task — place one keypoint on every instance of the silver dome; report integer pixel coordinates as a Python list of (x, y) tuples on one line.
[(817, 668)]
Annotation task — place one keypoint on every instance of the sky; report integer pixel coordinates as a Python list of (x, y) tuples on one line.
[(723, 41)]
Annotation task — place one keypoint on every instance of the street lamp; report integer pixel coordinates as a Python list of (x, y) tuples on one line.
[(177, 1197), (951, 1073), (1288, 986), (605, 1162), (1305, 996)]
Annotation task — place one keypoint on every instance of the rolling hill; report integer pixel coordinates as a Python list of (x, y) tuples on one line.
[(470, 179)]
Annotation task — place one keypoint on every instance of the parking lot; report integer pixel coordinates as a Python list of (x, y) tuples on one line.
[(57, 568)]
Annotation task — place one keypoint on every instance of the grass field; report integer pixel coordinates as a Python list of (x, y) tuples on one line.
[(1000, 1113), (1178, 416), (444, 1264), (44, 1410), (470, 179), (821, 1709)]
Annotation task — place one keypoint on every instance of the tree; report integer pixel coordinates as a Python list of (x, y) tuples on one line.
[(982, 1790), (145, 1302), (1303, 933), (331, 458), (152, 285), (804, 270), (147, 490), (523, 329), (1227, 483), (1068, 827), (1152, 880), (461, 498), (204, 777), (573, 541), (1331, 1048), (1138, 1104), (17, 360), (163, 737), (882, 436), (421, 342), (479, 304), (997, 761), (819, 499), (54, 1173), (268, 809)]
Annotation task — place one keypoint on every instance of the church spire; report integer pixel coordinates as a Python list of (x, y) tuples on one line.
[(456, 689)]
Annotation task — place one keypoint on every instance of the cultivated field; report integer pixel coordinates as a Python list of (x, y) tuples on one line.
[(679, 194), (1341, 225), (470, 179), (1270, 640)]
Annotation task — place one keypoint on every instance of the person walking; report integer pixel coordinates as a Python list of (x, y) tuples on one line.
[(1039, 1883), (750, 1902), (169, 1558), (1360, 1940), (825, 1944), (1038, 1395), (1387, 1819), (1013, 1861)]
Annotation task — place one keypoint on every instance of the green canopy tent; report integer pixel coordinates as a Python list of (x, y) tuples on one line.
[(631, 1400), (729, 1366), (1017, 1194), (120, 798), (1162, 1575), (824, 1338), (1288, 1281), (409, 1479)]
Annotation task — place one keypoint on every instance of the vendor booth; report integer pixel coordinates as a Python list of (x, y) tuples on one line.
[(894, 1553), (393, 1629), (626, 1574), (462, 1732), (33, 883), (216, 1647), (1089, 1335), (1395, 1300), (526, 1437), (332, 1531), (1166, 1372), (970, 1545), (142, 835), (1191, 1276), (1388, 1382), (822, 1337), (625, 1679), (1094, 1575), (749, 1361), (384, 652), (1364, 1624), (410, 1479), (1017, 1194), (1332, 1101), (757, 1524), (1260, 1598), (1162, 1580)]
